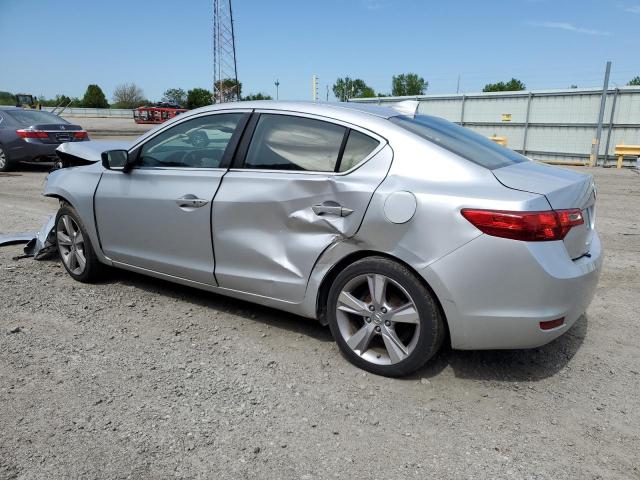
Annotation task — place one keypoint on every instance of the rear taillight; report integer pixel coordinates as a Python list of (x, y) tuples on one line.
[(81, 134), (526, 226), (32, 134)]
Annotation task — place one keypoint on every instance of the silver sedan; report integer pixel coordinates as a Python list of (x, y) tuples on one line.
[(399, 230)]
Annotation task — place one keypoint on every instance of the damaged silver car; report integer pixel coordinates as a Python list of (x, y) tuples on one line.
[(397, 229)]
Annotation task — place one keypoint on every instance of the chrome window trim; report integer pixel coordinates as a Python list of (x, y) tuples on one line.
[(382, 142), (188, 169)]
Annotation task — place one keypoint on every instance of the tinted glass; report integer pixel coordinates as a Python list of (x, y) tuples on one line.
[(461, 141), (197, 143), (283, 142), (358, 147), (33, 117)]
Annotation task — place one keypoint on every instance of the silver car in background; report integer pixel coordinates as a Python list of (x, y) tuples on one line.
[(398, 230)]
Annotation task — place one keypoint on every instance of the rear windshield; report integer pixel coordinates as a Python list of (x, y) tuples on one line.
[(461, 141), (33, 117)]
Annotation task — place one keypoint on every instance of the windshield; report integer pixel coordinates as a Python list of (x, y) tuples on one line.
[(33, 117), (461, 141)]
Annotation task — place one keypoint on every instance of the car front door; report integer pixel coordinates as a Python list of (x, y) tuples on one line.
[(300, 184), (157, 216)]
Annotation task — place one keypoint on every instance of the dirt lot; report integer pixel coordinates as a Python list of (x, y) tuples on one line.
[(139, 378)]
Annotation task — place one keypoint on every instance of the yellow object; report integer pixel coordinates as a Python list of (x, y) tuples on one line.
[(499, 140), (506, 117), (622, 150)]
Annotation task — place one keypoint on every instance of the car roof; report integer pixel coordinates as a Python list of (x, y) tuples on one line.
[(334, 110)]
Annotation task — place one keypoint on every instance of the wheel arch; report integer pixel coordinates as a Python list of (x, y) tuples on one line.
[(334, 271)]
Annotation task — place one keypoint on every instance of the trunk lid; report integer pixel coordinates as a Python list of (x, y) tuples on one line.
[(58, 133), (563, 189)]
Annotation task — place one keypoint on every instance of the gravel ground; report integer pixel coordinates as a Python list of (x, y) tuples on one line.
[(139, 378)]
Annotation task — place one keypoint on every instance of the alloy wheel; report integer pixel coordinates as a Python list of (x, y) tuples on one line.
[(71, 244), (378, 319)]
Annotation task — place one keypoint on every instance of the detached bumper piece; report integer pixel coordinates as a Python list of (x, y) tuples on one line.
[(40, 245)]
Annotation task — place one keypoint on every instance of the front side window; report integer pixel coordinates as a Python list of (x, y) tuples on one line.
[(197, 143), (461, 141), (285, 142)]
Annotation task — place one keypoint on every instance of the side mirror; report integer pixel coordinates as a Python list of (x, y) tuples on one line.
[(116, 160)]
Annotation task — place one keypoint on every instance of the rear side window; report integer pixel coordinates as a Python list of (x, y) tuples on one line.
[(461, 141), (357, 148), (286, 142)]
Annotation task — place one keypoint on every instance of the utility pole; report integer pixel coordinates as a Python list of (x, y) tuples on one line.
[(314, 87), (595, 145), (277, 84)]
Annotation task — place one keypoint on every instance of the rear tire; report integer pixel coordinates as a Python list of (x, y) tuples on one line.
[(6, 165), (74, 247), (383, 318)]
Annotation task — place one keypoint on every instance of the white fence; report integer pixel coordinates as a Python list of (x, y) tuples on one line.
[(93, 112)]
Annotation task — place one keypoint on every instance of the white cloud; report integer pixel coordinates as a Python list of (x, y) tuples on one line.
[(569, 27), (633, 9)]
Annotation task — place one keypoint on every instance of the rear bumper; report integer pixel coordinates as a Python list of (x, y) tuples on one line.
[(495, 292), (21, 151)]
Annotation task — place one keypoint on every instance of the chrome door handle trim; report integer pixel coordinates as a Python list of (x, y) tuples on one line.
[(336, 210), (191, 202)]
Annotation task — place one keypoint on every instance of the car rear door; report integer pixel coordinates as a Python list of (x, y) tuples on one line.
[(157, 216), (298, 184)]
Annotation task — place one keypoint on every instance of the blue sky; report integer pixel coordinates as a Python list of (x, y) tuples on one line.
[(59, 46)]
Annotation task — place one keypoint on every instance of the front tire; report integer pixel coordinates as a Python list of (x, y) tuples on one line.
[(74, 247), (383, 318)]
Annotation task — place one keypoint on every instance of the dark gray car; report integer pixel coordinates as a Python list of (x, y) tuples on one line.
[(33, 136)]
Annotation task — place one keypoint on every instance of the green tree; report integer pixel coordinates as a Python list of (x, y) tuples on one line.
[(257, 96), (635, 81), (346, 88), (512, 85), (7, 98), (175, 95), (128, 95), (198, 97), (408, 84), (94, 98), (227, 90)]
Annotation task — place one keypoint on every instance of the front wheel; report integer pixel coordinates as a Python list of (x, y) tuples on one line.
[(74, 247), (383, 318)]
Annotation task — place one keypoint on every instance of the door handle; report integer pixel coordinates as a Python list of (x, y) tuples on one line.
[(191, 201), (331, 209)]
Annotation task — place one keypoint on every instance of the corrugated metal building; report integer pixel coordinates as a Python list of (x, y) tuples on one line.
[(547, 125)]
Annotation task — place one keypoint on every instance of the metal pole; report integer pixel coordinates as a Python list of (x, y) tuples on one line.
[(613, 111), (458, 86), (526, 125), (277, 84), (464, 98), (595, 147)]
